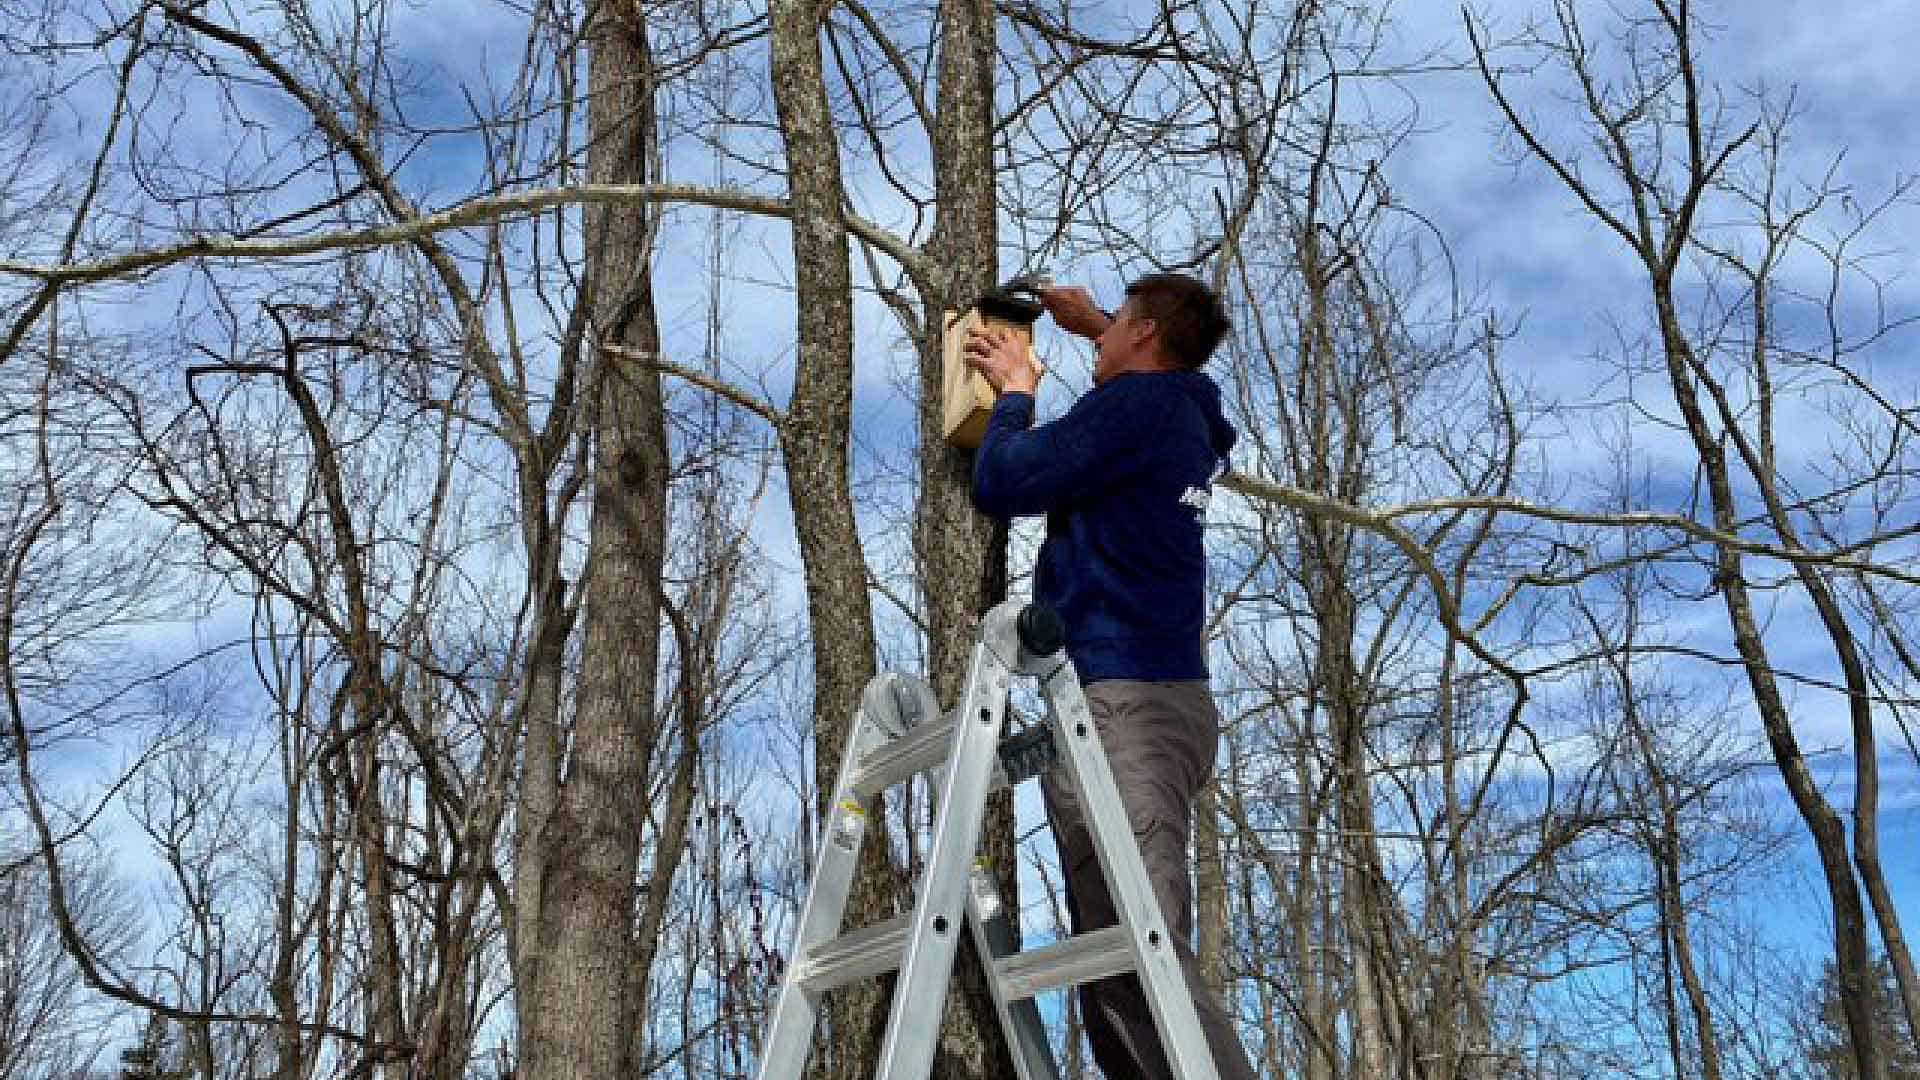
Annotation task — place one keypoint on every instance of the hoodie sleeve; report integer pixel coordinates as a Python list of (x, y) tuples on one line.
[(1021, 471)]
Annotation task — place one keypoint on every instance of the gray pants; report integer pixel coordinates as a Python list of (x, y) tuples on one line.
[(1160, 739)]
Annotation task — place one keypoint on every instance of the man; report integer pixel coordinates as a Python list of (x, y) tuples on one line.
[(1124, 479)]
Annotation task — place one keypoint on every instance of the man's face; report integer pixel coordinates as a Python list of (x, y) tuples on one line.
[(1127, 342)]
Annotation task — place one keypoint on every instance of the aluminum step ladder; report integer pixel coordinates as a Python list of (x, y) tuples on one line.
[(900, 733)]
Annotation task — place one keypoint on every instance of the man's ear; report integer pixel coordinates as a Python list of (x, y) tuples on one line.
[(1149, 337)]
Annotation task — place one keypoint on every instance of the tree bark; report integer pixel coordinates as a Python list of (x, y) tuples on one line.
[(1854, 972), (961, 553), (814, 441), (1866, 762), (577, 1024), (1210, 892)]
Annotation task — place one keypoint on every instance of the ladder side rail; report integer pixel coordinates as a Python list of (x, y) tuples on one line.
[(790, 1033), (994, 941), (1154, 956), (992, 928), (941, 906)]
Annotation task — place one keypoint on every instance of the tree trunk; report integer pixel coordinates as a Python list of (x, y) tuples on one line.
[(577, 1023), (1312, 935), (1332, 459), (814, 441), (1359, 899), (961, 553), (1866, 762), (1210, 892), (1854, 975)]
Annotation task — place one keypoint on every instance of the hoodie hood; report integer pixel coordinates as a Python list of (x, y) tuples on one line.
[(1205, 394)]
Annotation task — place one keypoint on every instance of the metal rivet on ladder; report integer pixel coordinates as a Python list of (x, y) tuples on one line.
[(986, 716), (1153, 938), (1080, 730), (939, 924)]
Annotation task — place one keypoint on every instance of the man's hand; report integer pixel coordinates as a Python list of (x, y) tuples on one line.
[(1074, 311), (1001, 357)]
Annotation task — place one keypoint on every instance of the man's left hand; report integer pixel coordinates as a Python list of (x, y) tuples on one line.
[(1002, 358)]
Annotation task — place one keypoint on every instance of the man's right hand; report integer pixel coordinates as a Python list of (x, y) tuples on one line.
[(1002, 359), (1074, 311)]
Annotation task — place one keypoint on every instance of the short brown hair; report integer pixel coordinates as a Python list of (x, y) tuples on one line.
[(1190, 316)]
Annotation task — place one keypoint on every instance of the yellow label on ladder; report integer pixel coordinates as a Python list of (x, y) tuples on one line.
[(849, 823)]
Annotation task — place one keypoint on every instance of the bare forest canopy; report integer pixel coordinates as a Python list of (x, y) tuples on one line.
[(463, 462)]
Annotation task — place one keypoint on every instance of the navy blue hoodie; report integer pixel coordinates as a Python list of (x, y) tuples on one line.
[(1124, 479)]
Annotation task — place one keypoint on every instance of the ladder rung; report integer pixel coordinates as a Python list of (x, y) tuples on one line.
[(1079, 959), (867, 951), (920, 749)]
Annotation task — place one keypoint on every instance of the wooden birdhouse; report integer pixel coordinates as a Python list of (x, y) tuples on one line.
[(966, 399)]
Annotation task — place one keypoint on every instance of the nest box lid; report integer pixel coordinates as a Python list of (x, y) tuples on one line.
[(1010, 303)]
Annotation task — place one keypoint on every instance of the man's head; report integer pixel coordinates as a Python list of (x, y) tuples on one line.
[(1170, 322)]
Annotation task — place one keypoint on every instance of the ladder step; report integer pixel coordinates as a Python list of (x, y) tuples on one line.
[(921, 748), (1079, 959), (867, 951)]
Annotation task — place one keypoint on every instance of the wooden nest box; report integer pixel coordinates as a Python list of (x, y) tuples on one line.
[(966, 399)]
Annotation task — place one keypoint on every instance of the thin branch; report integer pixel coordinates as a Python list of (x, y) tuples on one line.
[(478, 211), (758, 406), (1382, 521)]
